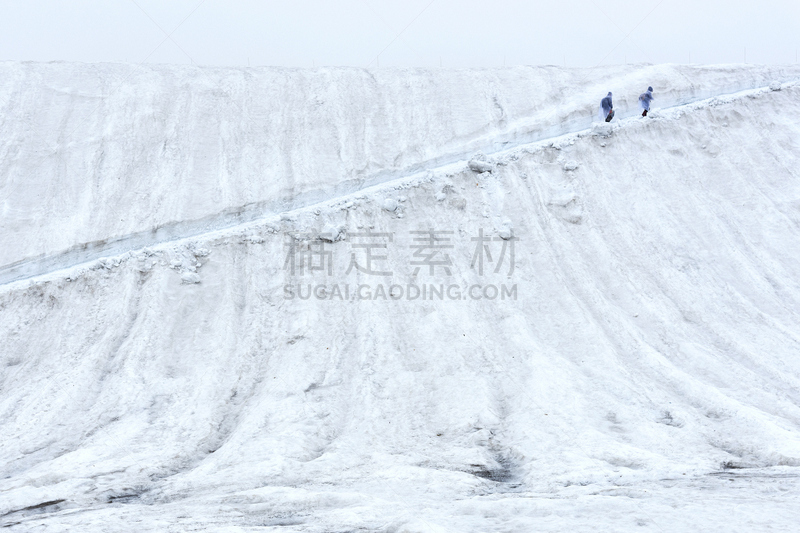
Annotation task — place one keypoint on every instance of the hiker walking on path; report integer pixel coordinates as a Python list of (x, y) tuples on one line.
[(607, 107), (645, 99)]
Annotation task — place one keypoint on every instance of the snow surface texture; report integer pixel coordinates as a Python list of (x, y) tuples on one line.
[(98, 153), (645, 378)]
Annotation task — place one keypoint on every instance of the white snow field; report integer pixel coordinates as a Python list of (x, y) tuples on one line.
[(626, 359)]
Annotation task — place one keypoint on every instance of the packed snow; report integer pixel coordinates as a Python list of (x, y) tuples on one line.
[(399, 300), (98, 153)]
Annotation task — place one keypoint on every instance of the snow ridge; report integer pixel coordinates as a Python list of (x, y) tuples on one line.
[(230, 219)]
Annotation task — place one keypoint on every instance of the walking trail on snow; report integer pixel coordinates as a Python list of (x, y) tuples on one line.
[(172, 232)]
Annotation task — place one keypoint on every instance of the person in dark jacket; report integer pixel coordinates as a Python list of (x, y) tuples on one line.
[(645, 99), (608, 108)]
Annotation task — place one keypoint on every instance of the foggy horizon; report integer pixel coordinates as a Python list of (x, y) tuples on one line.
[(417, 33)]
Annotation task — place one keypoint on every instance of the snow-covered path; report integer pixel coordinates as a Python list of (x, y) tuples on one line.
[(93, 153), (494, 149)]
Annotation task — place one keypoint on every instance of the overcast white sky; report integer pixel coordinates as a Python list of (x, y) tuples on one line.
[(401, 32)]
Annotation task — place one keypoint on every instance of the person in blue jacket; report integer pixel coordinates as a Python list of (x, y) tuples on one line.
[(645, 99), (608, 108)]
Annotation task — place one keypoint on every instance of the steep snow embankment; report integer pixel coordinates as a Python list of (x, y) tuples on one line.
[(95, 154), (651, 345)]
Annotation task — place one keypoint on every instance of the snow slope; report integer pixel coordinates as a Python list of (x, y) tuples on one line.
[(644, 378), (97, 152)]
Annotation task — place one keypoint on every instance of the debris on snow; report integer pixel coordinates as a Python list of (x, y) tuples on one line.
[(602, 130), (190, 277), (479, 164), (390, 204), (331, 233)]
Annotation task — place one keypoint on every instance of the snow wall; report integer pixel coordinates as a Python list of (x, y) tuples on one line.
[(644, 343), (94, 154)]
